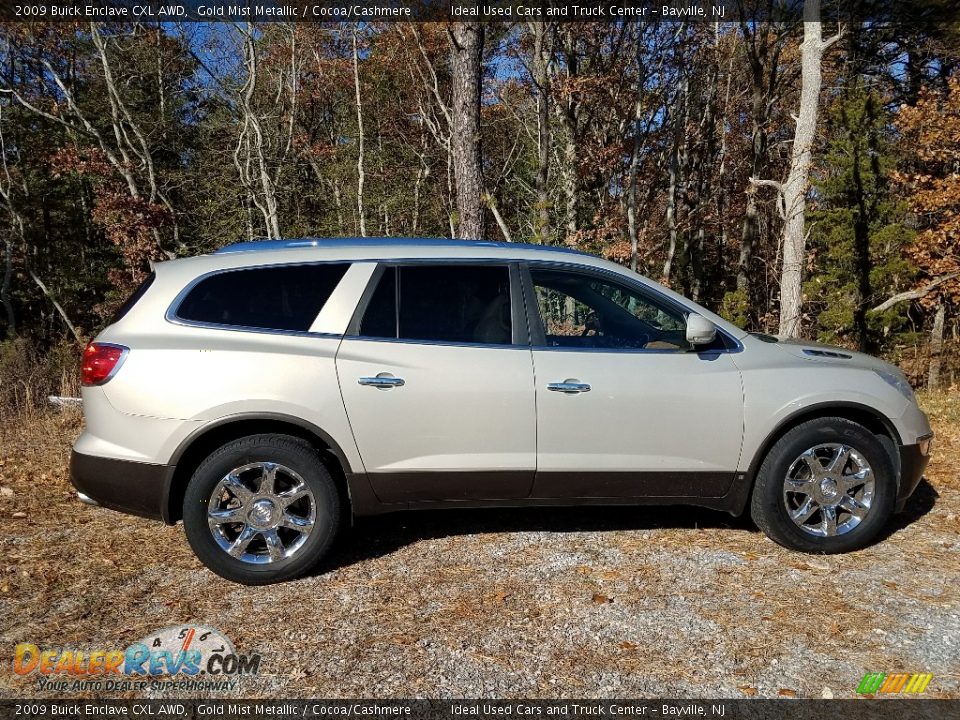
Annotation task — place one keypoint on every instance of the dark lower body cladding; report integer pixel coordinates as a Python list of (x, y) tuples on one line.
[(144, 488), (124, 485), (913, 461)]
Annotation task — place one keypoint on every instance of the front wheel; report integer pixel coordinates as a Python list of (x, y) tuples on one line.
[(261, 509), (827, 486)]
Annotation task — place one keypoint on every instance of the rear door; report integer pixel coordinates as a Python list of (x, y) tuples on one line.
[(437, 380)]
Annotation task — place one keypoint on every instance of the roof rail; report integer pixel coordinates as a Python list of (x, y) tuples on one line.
[(266, 245)]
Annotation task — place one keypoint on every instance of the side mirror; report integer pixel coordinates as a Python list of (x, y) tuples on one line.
[(700, 331)]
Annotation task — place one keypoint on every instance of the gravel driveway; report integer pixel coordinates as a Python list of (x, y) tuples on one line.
[(538, 603)]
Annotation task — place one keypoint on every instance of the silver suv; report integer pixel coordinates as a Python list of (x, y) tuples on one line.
[(266, 392)]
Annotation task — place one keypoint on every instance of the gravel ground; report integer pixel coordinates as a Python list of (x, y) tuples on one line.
[(599, 602)]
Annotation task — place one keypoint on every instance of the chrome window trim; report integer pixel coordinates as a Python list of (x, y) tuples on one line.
[(522, 266), (534, 315), (171, 314)]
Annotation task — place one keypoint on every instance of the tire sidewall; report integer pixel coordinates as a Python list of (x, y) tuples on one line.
[(294, 454), (768, 500)]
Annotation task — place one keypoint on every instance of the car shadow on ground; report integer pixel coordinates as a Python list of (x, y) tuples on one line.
[(922, 501), (381, 535)]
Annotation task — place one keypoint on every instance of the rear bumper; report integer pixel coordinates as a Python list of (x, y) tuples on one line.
[(131, 487), (913, 461)]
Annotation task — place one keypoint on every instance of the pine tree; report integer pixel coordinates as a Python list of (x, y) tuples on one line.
[(859, 232)]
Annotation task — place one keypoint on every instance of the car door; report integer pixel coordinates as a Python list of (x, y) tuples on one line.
[(624, 407), (437, 379)]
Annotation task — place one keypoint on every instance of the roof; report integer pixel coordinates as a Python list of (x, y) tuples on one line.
[(386, 242)]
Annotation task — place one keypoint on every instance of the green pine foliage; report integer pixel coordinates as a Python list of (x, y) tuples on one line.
[(859, 229)]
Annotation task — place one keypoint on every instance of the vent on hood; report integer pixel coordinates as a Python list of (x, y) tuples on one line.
[(827, 354)]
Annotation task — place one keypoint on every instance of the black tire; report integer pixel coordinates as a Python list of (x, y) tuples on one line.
[(290, 452), (768, 507)]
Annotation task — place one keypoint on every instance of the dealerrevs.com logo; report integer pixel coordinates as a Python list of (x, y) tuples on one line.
[(175, 658), (893, 683)]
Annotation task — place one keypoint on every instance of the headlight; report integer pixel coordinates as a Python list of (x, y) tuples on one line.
[(898, 382)]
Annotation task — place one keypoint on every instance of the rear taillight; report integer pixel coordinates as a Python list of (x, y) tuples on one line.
[(100, 362)]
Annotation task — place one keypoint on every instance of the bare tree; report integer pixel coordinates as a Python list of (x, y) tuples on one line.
[(543, 33), (267, 123), (794, 190), (18, 227), (936, 347), (129, 148), (466, 60), (764, 42), (360, 175)]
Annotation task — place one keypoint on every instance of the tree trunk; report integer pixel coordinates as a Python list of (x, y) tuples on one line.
[(936, 347), (542, 52), (632, 188), (758, 152), (570, 115), (634, 162), (678, 120), (571, 184), (66, 319), (5, 289), (360, 176), (466, 56), (253, 144), (861, 253), (795, 188)]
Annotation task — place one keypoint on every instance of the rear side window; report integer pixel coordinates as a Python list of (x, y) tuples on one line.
[(467, 304), (269, 298)]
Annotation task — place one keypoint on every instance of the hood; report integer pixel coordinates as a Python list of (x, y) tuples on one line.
[(830, 354)]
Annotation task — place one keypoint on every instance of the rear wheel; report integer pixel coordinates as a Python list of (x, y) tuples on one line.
[(261, 509), (827, 486)]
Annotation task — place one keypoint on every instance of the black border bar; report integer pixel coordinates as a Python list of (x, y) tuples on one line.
[(897, 12), (217, 708)]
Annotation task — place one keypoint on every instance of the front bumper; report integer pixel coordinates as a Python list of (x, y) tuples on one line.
[(913, 461), (130, 487)]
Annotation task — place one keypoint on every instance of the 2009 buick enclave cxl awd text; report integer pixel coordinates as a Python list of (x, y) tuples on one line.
[(267, 391)]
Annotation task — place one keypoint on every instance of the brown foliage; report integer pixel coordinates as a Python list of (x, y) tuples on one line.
[(931, 131)]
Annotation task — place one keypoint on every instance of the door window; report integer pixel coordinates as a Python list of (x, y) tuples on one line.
[(581, 310), (467, 304)]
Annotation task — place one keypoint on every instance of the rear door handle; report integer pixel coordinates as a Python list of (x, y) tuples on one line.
[(570, 387), (382, 382)]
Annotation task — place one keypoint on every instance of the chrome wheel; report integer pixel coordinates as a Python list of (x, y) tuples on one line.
[(828, 490), (261, 513)]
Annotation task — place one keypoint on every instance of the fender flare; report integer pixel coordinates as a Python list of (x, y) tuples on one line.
[(357, 487)]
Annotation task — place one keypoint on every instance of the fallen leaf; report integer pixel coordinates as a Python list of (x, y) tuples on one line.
[(627, 645), (601, 599), (785, 692), (747, 690)]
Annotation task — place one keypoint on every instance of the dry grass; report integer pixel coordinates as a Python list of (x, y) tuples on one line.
[(598, 602)]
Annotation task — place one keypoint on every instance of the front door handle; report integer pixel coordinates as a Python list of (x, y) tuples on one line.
[(381, 382), (570, 387)]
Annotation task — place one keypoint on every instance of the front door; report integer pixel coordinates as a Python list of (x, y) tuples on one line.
[(624, 407), (437, 381)]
